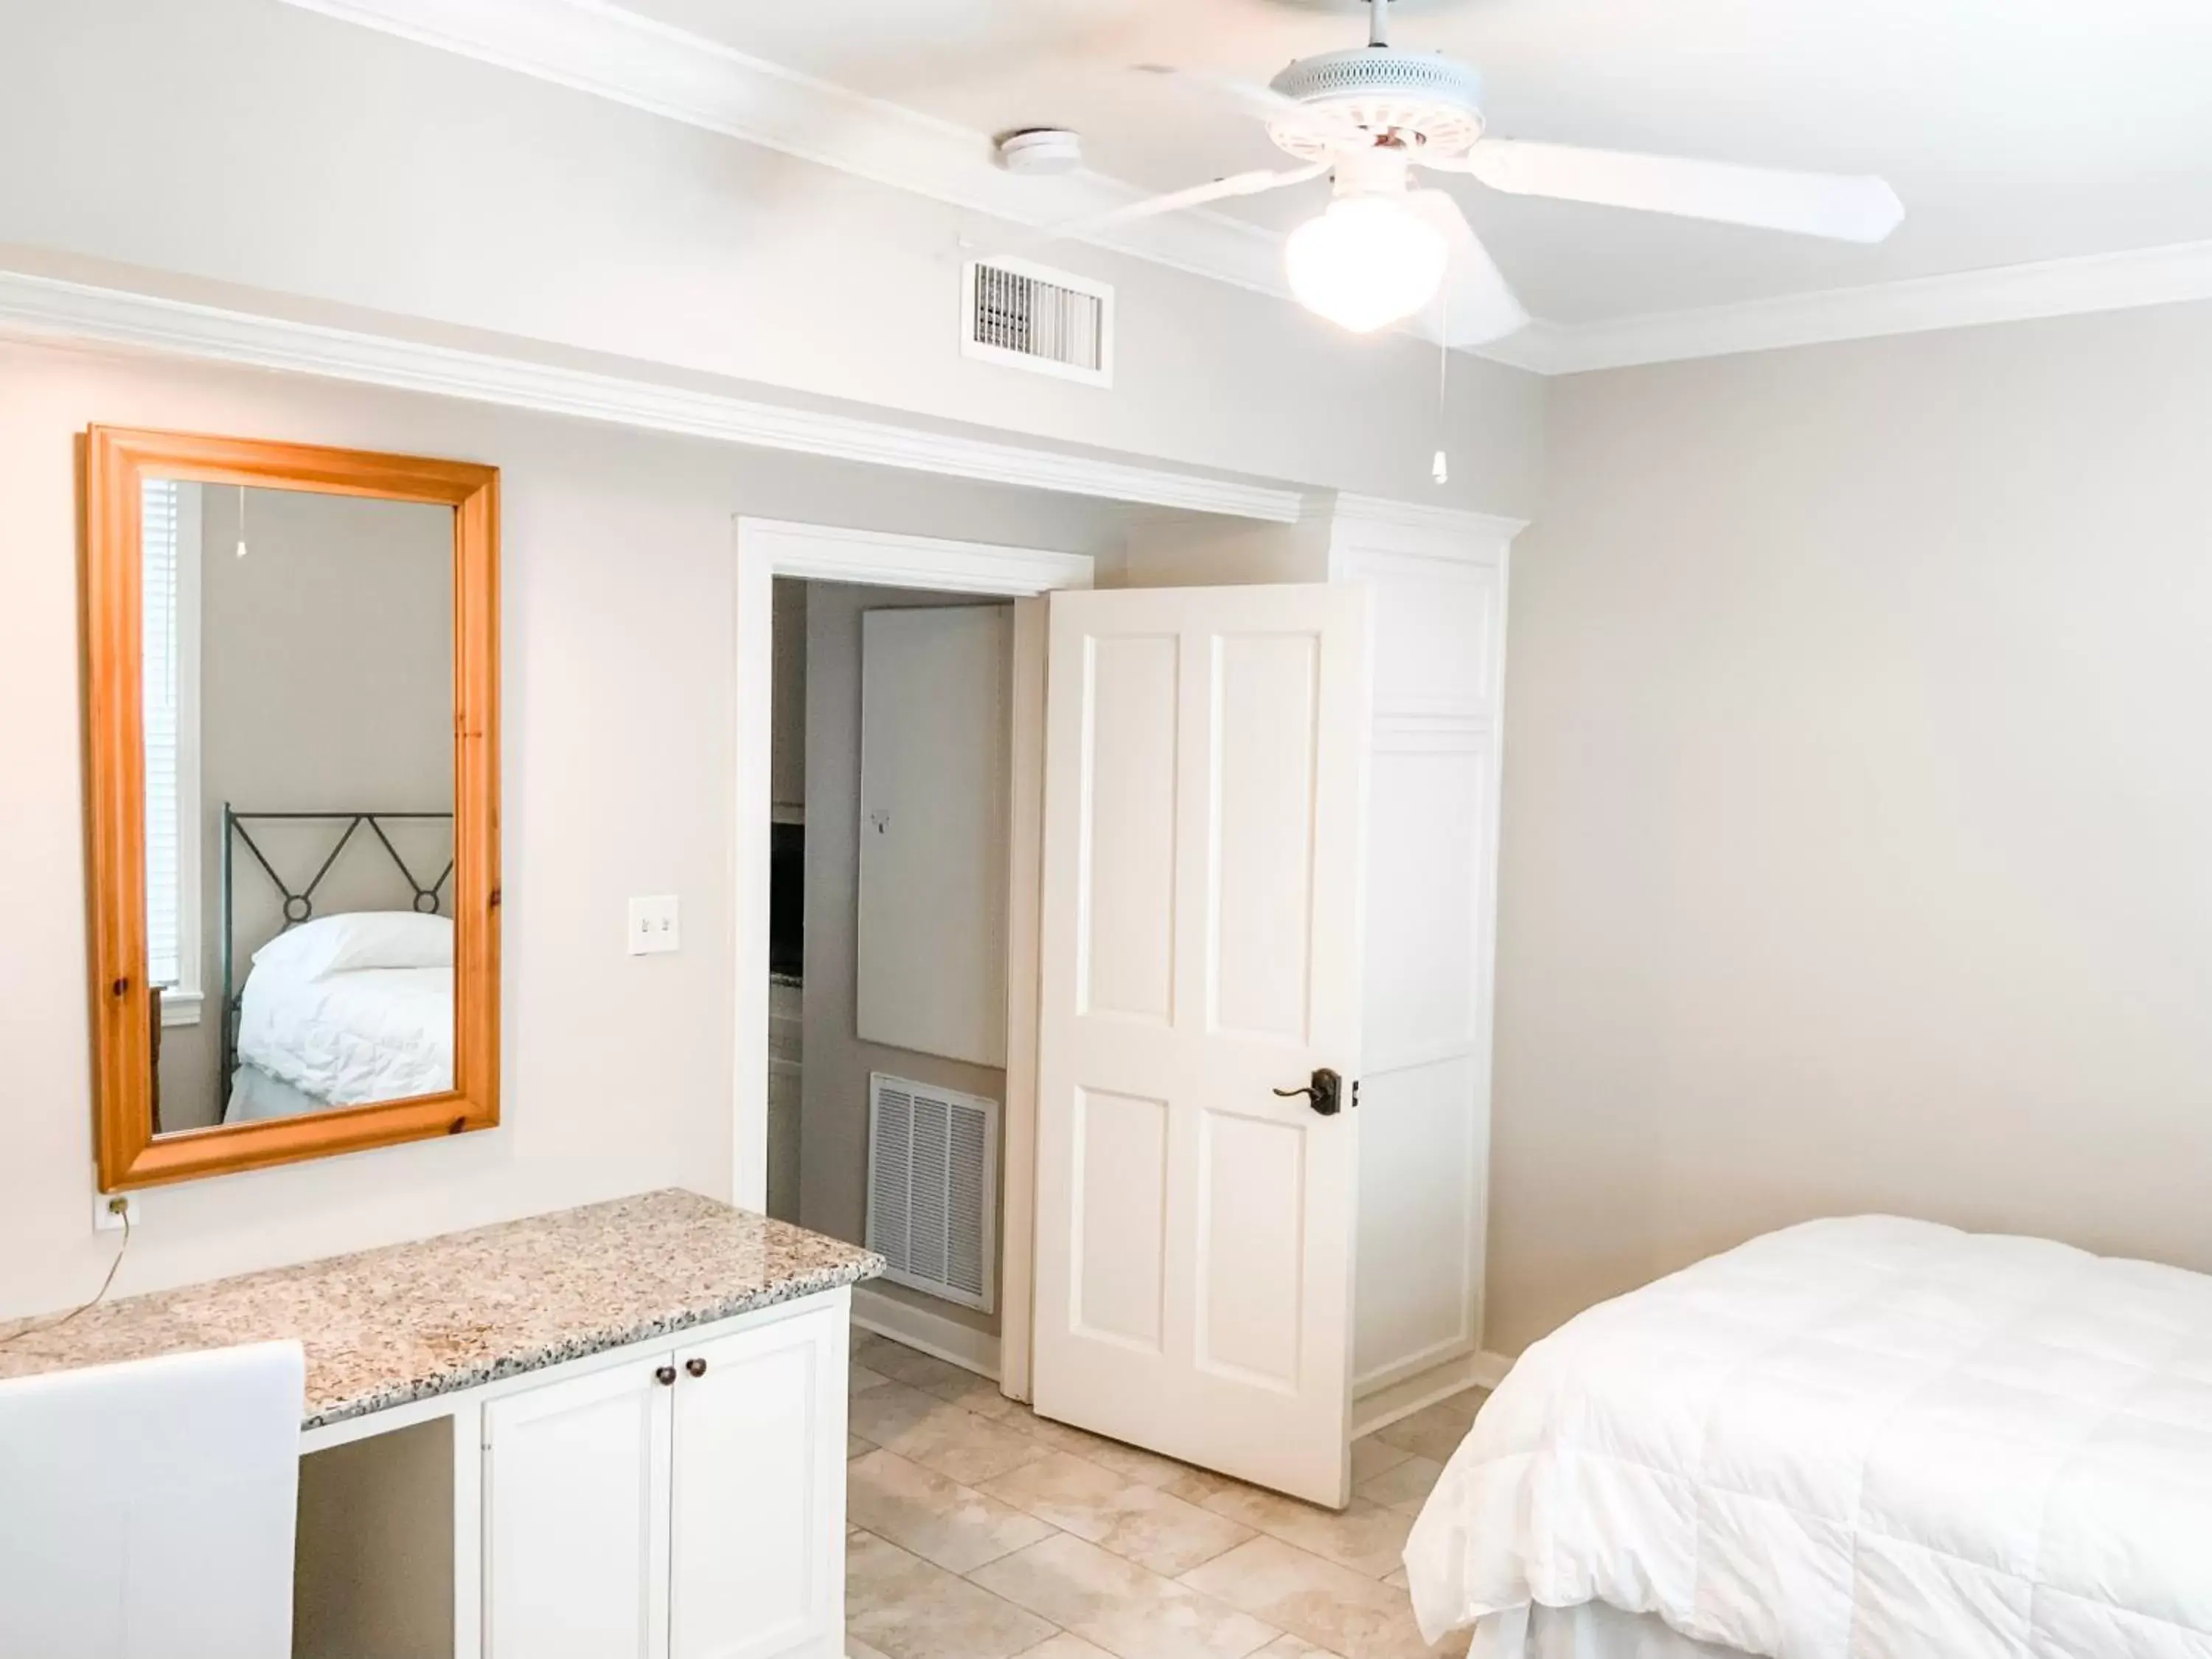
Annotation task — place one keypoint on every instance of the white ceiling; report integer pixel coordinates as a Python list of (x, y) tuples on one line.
[(2016, 130)]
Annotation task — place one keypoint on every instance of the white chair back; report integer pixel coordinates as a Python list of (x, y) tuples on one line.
[(147, 1510)]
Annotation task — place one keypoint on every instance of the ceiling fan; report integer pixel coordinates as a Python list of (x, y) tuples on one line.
[(1381, 252)]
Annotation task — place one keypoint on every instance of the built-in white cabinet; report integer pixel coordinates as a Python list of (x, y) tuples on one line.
[(685, 1502)]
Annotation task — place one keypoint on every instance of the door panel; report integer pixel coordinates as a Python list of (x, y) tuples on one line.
[(1204, 808), (1121, 1145), (576, 1518), (759, 1493), (1253, 1186), (1262, 912), (1128, 879)]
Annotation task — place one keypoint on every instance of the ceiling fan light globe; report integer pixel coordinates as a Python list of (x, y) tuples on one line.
[(1366, 263)]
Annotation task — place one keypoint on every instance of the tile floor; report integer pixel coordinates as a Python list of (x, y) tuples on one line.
[(980, 1531)]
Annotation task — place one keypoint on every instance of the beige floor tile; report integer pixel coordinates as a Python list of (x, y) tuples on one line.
[(1196, 1486), (1365, 1537), (1371, 1456), (925, 1429), (1066, 1645), (862, 1651), (973, 1393), (1149, 1467), (856, 1447), (1435, 1432), (939, 1520), (880, 1357), (1403, 1487), (1332, 1607), (1120, 1606), (902, 1606), (1294, 1647), (1133, 1520), (859, 1379), (1399, 1581)]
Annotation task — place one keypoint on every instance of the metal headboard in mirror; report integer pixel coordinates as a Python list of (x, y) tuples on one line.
[(425, 898)]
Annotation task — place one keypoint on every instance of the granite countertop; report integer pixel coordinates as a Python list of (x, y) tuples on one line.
[(410, 1321)]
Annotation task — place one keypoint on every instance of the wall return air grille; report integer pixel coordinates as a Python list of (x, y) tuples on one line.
[(1028, 317), (933, 1188)]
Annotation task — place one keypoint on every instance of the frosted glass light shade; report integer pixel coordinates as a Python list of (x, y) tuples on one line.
[(1367, 262)]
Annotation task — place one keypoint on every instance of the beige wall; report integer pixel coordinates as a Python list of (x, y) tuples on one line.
[(326, 683), (617, 677), (1857, 848), (834, 1115)]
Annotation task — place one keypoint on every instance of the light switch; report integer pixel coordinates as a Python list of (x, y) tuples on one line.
[(653, 924)]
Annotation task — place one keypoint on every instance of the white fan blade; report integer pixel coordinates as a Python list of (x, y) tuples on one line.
[(1262, 103), (1478, 303), (1850, 209), (1236, 183)]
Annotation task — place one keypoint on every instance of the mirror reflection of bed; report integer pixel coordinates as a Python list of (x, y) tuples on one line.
[(349, 1007), (299, 681)]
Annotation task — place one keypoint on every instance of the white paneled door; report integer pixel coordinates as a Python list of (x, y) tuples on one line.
[(1204, 782)]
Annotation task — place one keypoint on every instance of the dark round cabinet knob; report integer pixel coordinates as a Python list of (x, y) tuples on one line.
[(696, 1367), (665, 1376)]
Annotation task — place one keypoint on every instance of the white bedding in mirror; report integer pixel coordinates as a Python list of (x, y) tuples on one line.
[(313, 1033)]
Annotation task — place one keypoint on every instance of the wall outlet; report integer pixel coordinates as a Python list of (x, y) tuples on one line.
[(653, 924), (108, 1210)]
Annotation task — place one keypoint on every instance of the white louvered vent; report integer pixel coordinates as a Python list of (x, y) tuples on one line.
[(1029, 317), (933, 1188)]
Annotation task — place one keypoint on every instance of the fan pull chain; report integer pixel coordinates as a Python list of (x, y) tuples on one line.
[(1440, 468), (241, 522)]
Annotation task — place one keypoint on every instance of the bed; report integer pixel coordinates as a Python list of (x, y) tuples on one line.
[(341, 1009), (1863, 1438)]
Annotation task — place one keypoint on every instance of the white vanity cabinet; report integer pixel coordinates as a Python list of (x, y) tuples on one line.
[(678, 1501)]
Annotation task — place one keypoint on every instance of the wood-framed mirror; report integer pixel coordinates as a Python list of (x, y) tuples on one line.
[(292, 796)]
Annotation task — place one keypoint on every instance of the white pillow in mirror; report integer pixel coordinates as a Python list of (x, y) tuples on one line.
[(358, 939)]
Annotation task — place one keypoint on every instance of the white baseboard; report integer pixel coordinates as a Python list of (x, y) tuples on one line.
[(932, 1333), (1403, 1398)]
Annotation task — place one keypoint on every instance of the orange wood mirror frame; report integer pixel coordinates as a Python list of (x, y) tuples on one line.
[(116, 462)]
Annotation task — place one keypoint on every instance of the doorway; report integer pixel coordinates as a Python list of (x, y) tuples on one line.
[(858, 573)]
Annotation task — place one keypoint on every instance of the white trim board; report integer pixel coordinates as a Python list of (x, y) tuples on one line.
[(47, 310), (1379, 1408), (598, 47), (926, 1330), (2008, 293)]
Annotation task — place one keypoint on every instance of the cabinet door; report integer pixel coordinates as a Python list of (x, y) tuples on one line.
[(576, 1518), (759, 1492)]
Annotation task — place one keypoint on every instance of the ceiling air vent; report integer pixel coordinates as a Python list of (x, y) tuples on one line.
[(1027, 316)]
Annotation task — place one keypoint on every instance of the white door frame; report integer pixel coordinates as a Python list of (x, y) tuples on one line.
[(767, 549)]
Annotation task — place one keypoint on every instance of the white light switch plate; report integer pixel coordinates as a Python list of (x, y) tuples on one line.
[(653, 924)]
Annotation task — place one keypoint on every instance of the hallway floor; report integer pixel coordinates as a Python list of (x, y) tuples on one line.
[(981, 1531)]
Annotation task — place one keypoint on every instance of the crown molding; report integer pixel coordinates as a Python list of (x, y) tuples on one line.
[(2009, 294), (45, 309)]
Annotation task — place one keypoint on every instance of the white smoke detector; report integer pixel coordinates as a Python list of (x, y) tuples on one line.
[(1041, 151)]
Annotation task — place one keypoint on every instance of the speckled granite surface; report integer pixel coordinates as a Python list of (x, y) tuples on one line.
[(407, 1321)]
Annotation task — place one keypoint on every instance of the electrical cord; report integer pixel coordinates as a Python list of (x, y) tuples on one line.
[(98, 1296)]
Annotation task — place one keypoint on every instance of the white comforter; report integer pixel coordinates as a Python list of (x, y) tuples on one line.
[(351, 1037), (1854, 1439)]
